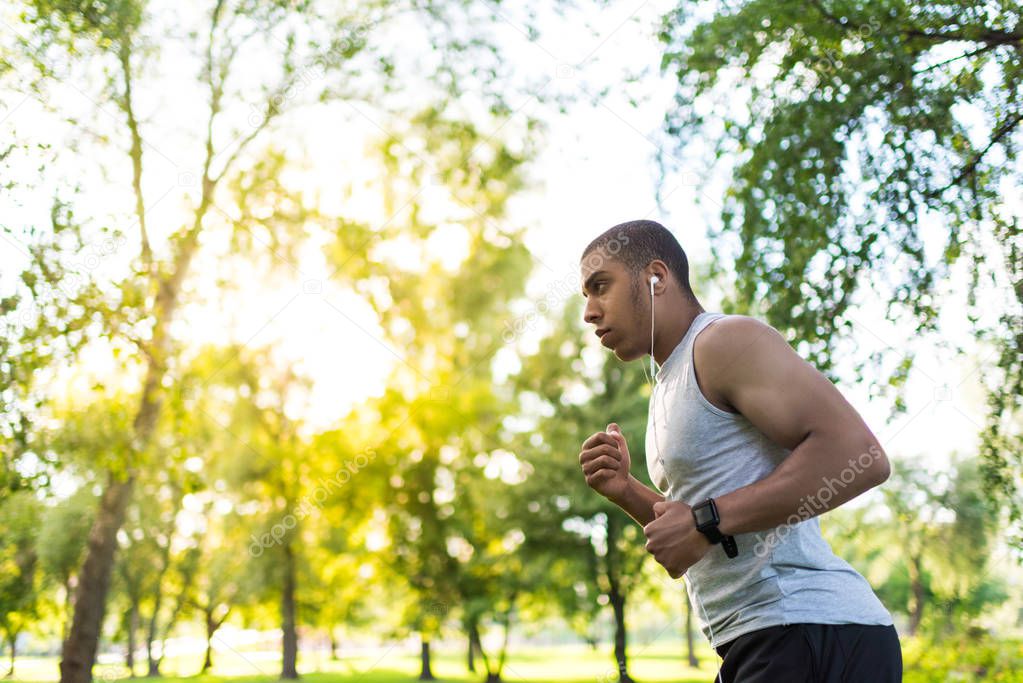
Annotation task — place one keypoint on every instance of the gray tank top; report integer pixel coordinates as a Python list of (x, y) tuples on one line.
[(784, 575)]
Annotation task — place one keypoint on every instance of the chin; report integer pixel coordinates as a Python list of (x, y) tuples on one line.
[(626, 354)]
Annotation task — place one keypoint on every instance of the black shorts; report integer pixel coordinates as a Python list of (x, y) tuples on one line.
[(817, 653)]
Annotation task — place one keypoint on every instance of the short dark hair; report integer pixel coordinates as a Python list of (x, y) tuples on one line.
[(636, 243)]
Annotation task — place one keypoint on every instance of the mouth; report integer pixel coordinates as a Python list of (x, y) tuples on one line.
[(601, 332)]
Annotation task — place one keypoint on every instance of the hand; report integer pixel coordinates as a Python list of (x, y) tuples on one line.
[(605, 462), (672, 538)]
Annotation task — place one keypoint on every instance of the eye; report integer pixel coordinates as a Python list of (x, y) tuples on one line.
[(599, 287)]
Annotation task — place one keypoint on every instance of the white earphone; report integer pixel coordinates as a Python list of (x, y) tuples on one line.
[(653, 280)]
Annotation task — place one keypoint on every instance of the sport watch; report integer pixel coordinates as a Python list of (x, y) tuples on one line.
[(707, 520)]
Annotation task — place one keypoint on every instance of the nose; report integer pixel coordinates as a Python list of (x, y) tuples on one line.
[(590, 313)]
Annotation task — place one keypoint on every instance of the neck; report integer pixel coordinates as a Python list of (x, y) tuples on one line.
[(675, 324)]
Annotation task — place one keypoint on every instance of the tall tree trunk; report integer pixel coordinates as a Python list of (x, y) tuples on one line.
[(425, 674), (133, 618), (12, 640), (79, 650), (494, 676), (152, 662), (187, 577), (690, 650), (919, 593), (480, 650), (207, 662), (290, 636), (211, 627), (65, 620), (617, 598), (333, 645), (475, 645), (618, 605)]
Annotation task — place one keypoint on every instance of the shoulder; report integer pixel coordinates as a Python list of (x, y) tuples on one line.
[(732, 335), (736, 345)]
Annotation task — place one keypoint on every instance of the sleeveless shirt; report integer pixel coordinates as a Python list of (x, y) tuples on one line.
[(784, 575)]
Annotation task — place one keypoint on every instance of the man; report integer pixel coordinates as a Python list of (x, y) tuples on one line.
[(750, 443)]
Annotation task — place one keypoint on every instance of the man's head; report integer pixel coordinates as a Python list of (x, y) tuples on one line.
[(616, 269)]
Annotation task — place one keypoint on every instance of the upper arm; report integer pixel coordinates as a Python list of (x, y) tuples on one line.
[(751, 366)]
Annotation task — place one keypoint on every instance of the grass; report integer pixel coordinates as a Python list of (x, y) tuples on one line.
[(569, 664), (964, 660)]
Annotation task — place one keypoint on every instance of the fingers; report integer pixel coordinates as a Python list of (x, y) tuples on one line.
[(602, 462), (599, 438), (660, 508), (603, 449), (599, 476), (616, 433), (653, 540), (604, 456)]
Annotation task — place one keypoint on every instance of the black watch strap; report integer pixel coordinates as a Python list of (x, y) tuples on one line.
[(707, 520)]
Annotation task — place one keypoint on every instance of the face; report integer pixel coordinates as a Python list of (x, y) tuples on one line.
[(614, 307)]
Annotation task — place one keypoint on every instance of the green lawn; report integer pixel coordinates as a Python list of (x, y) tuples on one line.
[(571, 664), (961, 660)]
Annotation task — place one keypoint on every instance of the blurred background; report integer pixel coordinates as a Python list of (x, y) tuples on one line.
[(293, 371)]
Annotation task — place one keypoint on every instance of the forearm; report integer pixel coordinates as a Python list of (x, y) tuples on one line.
[(638, 501), (810, 481)]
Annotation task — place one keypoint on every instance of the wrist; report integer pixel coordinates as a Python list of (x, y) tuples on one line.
[(706, 518), (622, 499)]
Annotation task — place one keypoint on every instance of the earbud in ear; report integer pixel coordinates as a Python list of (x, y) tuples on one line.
[(654, 280)]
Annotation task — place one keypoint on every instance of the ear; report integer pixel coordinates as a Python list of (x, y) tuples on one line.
[(656, 275)]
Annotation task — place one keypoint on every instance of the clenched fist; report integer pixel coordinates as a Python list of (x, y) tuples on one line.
[(672, 538), (605, 462)]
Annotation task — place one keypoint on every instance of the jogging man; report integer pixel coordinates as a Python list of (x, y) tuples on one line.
[(748, 443)]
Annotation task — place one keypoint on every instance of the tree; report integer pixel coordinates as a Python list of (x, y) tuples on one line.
[(502, 574), (313, 54), (265, 462), (20, 580), (445, 317), (61, 542), (218, 585), (866, 124), (156, 563), (343, 514)]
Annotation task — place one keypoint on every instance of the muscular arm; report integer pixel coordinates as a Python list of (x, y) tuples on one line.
[(834, 456)]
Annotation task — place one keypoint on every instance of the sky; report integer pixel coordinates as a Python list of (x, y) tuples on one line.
[(596, 168)]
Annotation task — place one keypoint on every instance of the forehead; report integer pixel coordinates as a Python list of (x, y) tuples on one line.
[(599, 260)]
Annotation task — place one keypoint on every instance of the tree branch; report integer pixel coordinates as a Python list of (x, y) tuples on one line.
[(965, 55), (1004, 129), (124, 55), (990, 36)]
